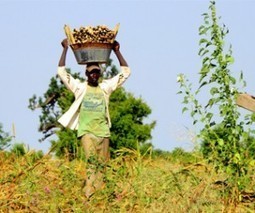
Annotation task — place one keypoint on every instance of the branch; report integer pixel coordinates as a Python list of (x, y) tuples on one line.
[(46, 102)]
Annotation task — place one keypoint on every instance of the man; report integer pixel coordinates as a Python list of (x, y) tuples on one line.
[(89, 113)]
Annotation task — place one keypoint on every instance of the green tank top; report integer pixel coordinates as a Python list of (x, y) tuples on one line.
[(92, 117)]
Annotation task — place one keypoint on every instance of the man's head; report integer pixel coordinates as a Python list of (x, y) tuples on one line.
[(93, 72)]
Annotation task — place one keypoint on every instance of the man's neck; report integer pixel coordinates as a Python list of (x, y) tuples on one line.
[(92, 84)]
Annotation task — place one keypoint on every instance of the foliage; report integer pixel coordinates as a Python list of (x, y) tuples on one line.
[(127, 115), (134, 183), (67, 145), (127, 125), (179, 154), (18, 149), (224, 134), (55, 101), (5, 139)]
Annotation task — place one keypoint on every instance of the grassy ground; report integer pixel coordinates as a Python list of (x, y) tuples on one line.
[(134, 184)]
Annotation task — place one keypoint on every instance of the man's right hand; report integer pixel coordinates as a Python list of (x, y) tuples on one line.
[(64, 43), (62, 60)]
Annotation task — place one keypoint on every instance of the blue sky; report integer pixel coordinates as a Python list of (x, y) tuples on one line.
[(159, 40)]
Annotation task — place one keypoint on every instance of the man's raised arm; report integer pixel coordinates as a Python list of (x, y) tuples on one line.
[(116, 49)]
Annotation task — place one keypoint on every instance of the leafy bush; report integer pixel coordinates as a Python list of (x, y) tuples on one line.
[(5, 139), (223, 133), (19, 149)]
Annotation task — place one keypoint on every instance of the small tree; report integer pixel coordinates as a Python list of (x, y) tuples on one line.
[(223, 132), (128, 113)]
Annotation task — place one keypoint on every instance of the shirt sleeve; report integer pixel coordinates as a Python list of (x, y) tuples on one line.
[(113, 83), (68, 80)]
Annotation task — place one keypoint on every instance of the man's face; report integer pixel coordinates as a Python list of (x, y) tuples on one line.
[(93, 77)]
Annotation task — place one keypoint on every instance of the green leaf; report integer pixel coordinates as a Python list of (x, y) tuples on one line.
[(214, 90), (226, 79), (212, 124), (237, 156), (252, 163), (212, 65), (205, 60), (203, 84), (208, 44), (230, 59), (184, 109), (232, 79), (194, 122), (193, 113), (220, 142), (209, 116), (204, 52), (185, 100), (204, 70), (201, 28), (203, 40), (201, 50), (241, 76), (210, 102)]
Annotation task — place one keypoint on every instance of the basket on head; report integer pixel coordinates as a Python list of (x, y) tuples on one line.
[(91, 44)]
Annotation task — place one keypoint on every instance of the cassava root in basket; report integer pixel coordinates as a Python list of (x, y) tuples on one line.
[(98, 34)]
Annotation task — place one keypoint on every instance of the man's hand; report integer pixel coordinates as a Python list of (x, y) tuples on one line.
[(62, 60), (64, 43), (116, 49), (116, 46)]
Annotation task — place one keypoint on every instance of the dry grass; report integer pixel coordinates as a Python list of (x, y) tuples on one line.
[(133, 184)]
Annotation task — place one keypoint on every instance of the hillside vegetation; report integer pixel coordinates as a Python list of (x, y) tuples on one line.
[(176, 182), (219, 177)]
